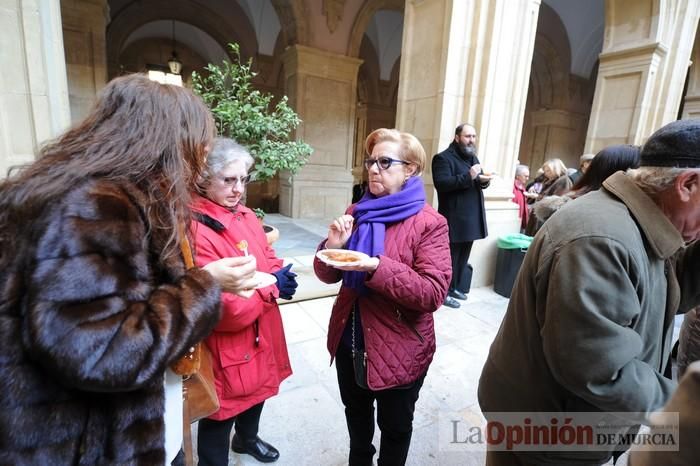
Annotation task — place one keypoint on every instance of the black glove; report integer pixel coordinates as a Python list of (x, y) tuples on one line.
[(286, 282)]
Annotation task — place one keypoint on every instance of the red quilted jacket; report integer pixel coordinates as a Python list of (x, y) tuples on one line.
[(410, 283)]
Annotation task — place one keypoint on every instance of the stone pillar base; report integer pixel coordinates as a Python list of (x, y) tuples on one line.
[(316, 192)]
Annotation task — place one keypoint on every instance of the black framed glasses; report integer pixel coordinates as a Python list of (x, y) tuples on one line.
[(383, 162), (231, 181)]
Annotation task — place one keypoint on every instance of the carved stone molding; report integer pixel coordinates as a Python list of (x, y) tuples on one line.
[(333, 11)]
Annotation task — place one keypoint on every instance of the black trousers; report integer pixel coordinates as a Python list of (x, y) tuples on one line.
[(213, 437), (395, 407), (461, 269)]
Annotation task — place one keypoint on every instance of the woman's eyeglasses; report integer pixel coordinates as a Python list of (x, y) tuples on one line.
[(383, 162), (231, 181)]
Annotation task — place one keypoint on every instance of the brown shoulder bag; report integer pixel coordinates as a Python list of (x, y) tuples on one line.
[(198, 389)]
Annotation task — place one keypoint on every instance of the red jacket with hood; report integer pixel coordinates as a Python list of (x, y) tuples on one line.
[(245, 372), (410, 283)]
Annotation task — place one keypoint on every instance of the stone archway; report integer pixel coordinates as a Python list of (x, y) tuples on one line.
[(292, 15), (558, 102), (234, 28), (142, 50), (691, 99), (364, 16), (376, 99)]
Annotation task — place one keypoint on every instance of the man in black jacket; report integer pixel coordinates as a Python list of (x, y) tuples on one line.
[(460, 181)]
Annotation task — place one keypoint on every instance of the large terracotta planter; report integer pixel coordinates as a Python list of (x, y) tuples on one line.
[(272, 233)]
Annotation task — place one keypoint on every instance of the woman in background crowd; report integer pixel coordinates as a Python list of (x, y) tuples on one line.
[(534, 186), (605, 163), (96, 303), (381, 330), (555, 183), (248, 346), (556, 179)]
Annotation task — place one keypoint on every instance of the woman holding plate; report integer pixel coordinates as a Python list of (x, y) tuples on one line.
[(248, 346), (381, 330)]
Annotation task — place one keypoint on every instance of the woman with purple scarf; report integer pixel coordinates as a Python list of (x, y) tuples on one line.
[(381, 330)]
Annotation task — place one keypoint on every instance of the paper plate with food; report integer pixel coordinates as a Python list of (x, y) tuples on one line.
[(341, 257), (264, 279)]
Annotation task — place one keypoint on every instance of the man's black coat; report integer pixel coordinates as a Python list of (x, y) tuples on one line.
[(460, 199)]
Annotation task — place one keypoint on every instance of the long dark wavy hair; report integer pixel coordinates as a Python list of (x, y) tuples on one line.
[(605, 163), (139, 131)]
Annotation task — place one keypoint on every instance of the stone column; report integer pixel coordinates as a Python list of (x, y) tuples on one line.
[(84, 30), (33, 90), (361, 133), (322, 88), (691, 103), (642, 69), (556, 134), (470, 62)]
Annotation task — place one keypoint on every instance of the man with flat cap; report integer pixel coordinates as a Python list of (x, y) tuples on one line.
[(590, 321)]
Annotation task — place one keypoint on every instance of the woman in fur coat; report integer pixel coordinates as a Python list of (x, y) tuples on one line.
[(95, 300)]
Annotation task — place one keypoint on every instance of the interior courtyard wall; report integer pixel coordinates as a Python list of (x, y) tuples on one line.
[(559, 102), (470, 61), (376, 103), (642, 69), (223, 25), (336, 131), (293, 16), (138, 54), (34, 103), (84, 25), (446, 77), (331, 22), (322, 87), (691, 100)]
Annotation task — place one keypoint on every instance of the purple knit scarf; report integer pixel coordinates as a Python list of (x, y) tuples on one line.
[(372, 214)]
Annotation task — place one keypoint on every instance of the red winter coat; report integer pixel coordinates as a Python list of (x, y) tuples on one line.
[(245, 373), (410, 283)]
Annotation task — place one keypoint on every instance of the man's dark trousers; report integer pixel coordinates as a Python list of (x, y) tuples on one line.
[(461, 269)]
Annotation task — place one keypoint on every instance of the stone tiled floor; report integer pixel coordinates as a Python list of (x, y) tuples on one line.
[(298, 237)]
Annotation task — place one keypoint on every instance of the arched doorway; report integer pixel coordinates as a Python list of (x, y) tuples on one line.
[(562, 82), (378, 76)]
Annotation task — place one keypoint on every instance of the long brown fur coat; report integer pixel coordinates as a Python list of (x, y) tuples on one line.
[(90, 318)]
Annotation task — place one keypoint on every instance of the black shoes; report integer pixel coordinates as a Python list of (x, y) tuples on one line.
[(451, 302), (258, 449), (452, 297)]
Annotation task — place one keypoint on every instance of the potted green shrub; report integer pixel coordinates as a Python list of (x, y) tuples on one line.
[(250, 117)]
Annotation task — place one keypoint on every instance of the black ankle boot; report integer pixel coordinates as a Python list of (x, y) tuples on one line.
[(257, 448)]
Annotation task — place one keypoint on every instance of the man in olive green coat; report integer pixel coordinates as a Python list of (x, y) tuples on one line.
[(590, 320)]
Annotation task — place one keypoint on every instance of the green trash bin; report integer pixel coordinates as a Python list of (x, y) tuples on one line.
[(511, 252)]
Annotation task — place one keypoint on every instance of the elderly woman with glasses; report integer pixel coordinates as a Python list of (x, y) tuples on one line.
[(381, 330), (248, 346)]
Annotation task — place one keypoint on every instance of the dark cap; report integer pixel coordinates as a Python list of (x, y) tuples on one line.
[(675, 145)]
